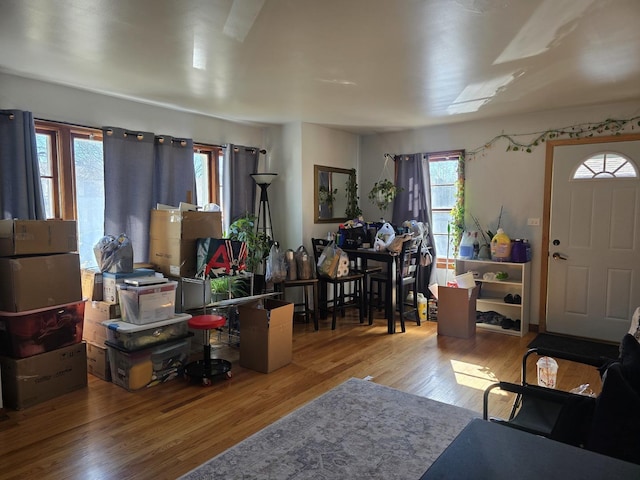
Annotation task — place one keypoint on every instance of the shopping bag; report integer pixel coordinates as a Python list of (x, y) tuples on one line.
[(303, 261), (276, 265)]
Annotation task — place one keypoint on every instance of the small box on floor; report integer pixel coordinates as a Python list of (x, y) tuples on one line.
[(457, 311), (134, 370), (32, 380), (98, 361), (24, 334), (266, 334), (40, 281)]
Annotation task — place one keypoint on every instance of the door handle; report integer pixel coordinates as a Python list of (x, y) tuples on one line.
[(558, 256)]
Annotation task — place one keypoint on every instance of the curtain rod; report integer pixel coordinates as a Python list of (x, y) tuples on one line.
[(262, 151)]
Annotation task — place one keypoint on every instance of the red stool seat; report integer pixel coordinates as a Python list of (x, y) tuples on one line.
[(207, 368), (207, 322)]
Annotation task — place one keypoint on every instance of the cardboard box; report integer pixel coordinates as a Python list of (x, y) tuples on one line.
[(32, 380), (172, 239), (110, 282), (98, 361), (94, 314), (34, 237), (457, 311), (23, 334), (266, 335), (91, 279), (30, 283)]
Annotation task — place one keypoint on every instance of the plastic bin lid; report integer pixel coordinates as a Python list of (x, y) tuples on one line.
[(126, 327)]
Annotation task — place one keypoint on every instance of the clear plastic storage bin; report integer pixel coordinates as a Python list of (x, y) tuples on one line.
[(133, 337), (139, 369), (147, 304)]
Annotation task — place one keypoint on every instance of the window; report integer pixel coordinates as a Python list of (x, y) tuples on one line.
[(446, 171), (72, 176), (605, 165), (207, 161)]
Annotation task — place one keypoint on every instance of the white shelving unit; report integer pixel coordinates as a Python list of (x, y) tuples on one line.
[(492, 292)]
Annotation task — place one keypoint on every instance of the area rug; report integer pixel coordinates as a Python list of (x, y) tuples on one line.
[(358, 430), (575, 346)]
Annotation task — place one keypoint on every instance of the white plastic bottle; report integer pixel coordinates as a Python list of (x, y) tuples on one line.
[(466, 247)]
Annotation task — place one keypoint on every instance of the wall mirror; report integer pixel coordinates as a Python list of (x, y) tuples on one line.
[(330, 194)]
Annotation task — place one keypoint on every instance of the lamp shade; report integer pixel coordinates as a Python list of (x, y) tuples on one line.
[(263, 178)]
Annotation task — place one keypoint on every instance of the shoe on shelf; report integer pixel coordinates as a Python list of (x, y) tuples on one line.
[(508, 298), (517, 299)]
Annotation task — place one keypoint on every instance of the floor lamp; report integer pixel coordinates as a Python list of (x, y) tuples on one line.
[(263, 180)]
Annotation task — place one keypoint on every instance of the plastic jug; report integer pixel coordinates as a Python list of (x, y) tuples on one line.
[(501, 247), (547, 372), (422, 307), (465, 251)]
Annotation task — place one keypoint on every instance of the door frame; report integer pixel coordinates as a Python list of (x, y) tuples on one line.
[(546, 209)]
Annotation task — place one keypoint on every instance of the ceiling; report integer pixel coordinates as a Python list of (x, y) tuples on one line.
[(360, 65)]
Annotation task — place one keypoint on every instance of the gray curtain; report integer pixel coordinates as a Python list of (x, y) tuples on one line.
[(129, 186), (414, 201), (21, 191), (175, 179), (239, 187)]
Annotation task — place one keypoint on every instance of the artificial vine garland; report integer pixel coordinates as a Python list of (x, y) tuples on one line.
[(580, 130)]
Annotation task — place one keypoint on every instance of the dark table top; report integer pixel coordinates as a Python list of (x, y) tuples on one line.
[(489, 450)]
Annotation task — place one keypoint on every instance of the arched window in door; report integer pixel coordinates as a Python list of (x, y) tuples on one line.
[(606, 165)]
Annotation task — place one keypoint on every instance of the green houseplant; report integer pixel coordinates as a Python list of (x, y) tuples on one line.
[(383, 193), (258, 244), (221, 287), (353, 209)]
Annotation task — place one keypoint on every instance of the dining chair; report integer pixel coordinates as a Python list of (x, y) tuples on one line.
[(347, 291), (406, 281)]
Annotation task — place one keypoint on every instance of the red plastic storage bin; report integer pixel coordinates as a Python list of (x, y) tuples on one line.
[(28, 333)]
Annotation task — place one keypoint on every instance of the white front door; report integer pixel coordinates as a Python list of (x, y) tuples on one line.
[(594, 243)]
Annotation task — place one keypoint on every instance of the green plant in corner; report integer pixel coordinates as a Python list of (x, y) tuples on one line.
[(457, 212), (353, 209), (258, 244), (383, 193)]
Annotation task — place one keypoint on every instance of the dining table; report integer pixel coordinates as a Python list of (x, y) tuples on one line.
[(362, 256)]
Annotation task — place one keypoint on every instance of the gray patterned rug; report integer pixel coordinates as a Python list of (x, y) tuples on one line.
[(357, 430)]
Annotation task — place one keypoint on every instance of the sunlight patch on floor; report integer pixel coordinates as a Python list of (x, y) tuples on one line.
[(471, 375)]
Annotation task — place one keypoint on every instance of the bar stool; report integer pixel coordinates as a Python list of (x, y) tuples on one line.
[(306, 284), (208, 368)]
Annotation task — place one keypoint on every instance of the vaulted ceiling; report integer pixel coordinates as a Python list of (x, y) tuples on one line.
[(360, 65)]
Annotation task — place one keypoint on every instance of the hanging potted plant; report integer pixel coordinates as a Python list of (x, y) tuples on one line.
[(383, 193)]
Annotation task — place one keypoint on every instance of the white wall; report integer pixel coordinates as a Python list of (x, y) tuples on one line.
[(494, 178), (48, 101)]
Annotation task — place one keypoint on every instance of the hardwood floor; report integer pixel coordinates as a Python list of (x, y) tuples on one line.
[(105, 432)]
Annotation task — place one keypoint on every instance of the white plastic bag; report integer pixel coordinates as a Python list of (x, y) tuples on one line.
[(329, 260), (276, 265)]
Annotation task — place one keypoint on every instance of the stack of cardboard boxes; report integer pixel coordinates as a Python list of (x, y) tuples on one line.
[(42, 354)]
